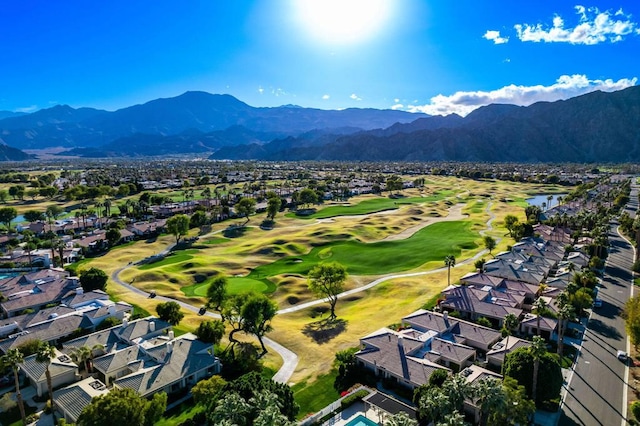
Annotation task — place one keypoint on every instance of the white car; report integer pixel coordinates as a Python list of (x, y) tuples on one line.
[(622, 356)]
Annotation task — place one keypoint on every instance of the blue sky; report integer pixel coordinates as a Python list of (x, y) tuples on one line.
[(434, 56)]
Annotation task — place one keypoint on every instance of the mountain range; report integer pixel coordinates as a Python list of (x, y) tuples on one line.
[(599, 126)]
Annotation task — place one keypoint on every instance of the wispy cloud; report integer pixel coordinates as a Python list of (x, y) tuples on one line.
[(567, 86), (28, 109), (593, 27), (260, 90), (397, 106), (495, 37), (325, 97), (355, 97)]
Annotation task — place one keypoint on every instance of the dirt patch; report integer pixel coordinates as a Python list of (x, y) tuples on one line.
[(292, 300)]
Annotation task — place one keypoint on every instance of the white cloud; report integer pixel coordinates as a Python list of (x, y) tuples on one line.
[(495, 37), (260, 90), (325, 97), (397, 106), (594, 27), (355, 97), (396, 100), (28, 109), (567, 86)]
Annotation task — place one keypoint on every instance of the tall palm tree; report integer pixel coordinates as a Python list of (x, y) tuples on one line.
[(537, 348), (13, 359), (84, 354), (44, 355), (509, 323), (539, 306), (549, 199), (449, 262), (491, 398)]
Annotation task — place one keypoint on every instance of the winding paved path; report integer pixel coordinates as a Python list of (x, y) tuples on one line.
[(289, 358)]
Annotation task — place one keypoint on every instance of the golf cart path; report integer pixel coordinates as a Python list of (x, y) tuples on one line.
[(289, 358)]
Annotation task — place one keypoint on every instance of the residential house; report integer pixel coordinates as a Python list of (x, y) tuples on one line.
[(529, 325), (35, 290), (71, 400), (62, 370), (473, 303), (507, 345)]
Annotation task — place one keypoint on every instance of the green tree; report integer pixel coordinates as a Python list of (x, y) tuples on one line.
[(208, 390), (449, 262), (509, 323), (7, 214), (489, 243), (45, 354), (490, 398), (13, 359), (245, 208), (178, 226), (257, 312), (93, 279), (169, 312), (198, 219), (210, 331), (217, 292), (327, 280), (538, 349), (631, 317), (4, 195), (518, 409), (400, 419), (123, 406), (519, 365), (308, 197), (273, 207), (113, 236), (539, 306), (510, 222), (33, 215)]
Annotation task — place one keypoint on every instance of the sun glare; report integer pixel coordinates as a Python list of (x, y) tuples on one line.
[(340, 22)]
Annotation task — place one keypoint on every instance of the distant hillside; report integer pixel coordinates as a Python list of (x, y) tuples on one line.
[(603, 127), (8, 153), (90, 128)]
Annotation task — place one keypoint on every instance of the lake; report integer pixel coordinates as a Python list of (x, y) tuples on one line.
[(537, 200)]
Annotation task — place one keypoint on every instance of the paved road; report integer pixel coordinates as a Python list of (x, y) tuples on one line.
[(597, 389)]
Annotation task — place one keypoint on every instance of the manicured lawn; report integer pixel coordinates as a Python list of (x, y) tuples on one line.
[(370, 206), (236, 285), (180, 416), (314, 396), (429, 244), (181, 256)]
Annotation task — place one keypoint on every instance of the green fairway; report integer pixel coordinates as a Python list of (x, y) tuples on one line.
[(429, 244), (371, 206), (171, 259), (236, 285)]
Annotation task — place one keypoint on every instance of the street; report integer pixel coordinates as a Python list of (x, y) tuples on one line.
[(598, 387)]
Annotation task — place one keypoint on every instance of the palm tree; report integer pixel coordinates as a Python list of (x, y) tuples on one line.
[(45, 354), (510, 322), (84, 354), (400, 419), (539, 306), (549, 199), (491, 398), (13, 359), (449, 262), (565, 313), (538, 348)]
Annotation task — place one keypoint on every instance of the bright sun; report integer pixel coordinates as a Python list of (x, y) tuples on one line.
[(340, 22)]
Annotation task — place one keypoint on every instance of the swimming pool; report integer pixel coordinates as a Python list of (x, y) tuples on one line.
[(361, 421)]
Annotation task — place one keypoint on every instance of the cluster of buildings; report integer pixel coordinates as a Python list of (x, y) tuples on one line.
[(510, 283), (143, 354)]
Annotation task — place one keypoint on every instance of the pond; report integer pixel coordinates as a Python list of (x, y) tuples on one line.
[(538, 199)]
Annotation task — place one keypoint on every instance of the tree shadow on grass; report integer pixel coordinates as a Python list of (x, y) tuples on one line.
[(234, 231), (324, 330)]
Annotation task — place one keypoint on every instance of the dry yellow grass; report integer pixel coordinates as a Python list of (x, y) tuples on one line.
[(362, 313)]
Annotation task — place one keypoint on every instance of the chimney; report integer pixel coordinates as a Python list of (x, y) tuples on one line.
[(171, 335), (445, 315), (152, 326), (79, 290), (112, 310), (125, 323), (169, 347)]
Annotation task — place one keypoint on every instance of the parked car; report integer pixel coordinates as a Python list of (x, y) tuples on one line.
[(597, 303), (152, 295), (202, 310), (622, 356)]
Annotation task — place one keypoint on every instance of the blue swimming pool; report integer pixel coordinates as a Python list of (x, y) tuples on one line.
[(361, 421)]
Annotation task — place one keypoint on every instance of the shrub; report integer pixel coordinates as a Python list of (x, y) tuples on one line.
[(353, 398), (635, 409)]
